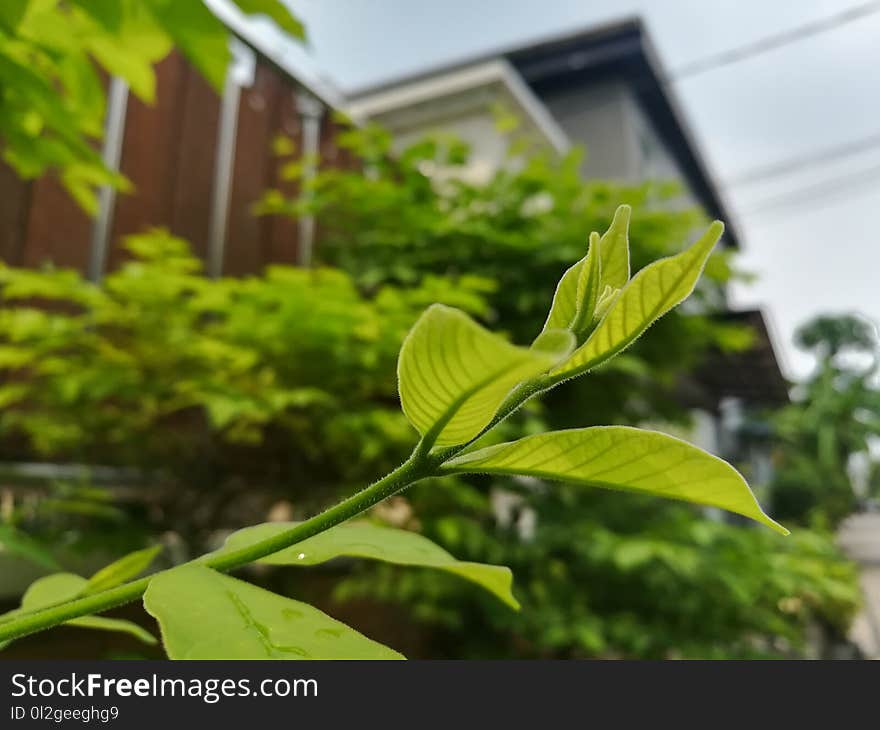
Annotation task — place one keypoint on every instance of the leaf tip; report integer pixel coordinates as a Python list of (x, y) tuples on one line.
[(716, 229), (775, 526), (620, 221)]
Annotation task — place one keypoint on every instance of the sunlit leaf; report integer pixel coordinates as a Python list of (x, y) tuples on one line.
[(119, 571), (557, 343), (61, 587), (365, 540), (651, 293), (589, 287), (619, 457), (207, 615), (605, 267), (564, 306), (453, 374), (614, 246)]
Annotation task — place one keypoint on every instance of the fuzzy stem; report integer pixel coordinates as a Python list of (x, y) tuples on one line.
[(417, 467), (420, 465)]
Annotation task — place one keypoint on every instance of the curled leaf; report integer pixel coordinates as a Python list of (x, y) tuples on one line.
[(453, 375)]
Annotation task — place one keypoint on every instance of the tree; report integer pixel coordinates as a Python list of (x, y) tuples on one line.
[(834, 417)]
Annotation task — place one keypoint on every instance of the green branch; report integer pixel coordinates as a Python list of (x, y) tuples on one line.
[(417, 467)]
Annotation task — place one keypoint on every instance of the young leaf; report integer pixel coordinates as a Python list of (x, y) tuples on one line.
[(574, 301), (606, 299), (61, 587), (121, 570), (453, 375), (614, 246), (364, 540), (620, 457), (557, 343), (204, 614), (565, 299), (650, 294), (589, 287)]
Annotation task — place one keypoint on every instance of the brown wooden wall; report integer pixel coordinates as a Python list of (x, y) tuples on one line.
[(168, 153)]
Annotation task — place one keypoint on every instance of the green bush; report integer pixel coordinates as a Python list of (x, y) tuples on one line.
[(284, 380)]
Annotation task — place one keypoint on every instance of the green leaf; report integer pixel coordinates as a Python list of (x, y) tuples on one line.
[(61, 587), (565, 300), (606, 299), (453, 375), (620, 457), (589, 287), (614, 246), (11, 14), (579, 289), (557, 343), (131, 51), (109, 13), (121, 570), (18, 543), (277, 12), (364, 540), (204, 614), (202, 38), (650, 294)]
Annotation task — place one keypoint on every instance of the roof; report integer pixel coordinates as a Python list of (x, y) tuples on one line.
[(753, 374), (475, 79), (621, 50)]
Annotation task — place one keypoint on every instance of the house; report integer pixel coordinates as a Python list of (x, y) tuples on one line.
[(603, 88)]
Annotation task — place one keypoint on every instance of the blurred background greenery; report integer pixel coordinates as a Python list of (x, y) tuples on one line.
[(159, 405)]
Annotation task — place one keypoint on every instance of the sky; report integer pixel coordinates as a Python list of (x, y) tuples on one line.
[(818, 254)]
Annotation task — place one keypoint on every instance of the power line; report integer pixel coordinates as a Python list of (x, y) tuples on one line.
[(823, 192), (771, 42), (796, 164)]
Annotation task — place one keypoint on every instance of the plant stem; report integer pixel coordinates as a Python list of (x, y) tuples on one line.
[(417, 467)]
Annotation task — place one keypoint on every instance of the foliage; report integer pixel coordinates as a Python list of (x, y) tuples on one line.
[(213, 383), (53, 55), (610, 576), (204, 614), (835, 416)]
